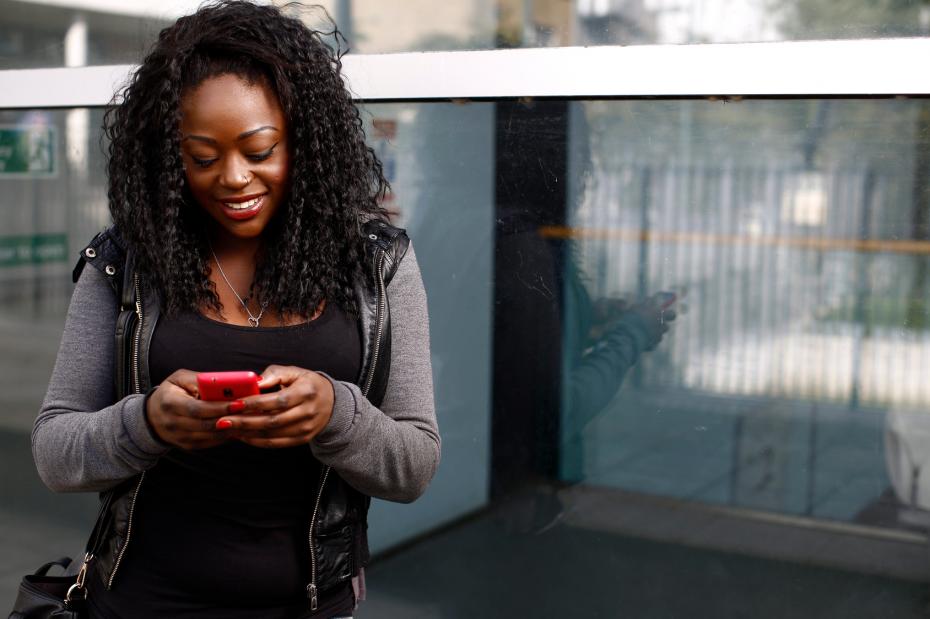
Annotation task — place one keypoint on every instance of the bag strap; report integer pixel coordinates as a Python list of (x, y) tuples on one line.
[(78, 591), (95, 541), (63, 562)]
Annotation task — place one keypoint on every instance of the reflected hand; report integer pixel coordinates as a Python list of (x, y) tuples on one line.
[(287, 418), (179, 418), (604, 313), (657, 315), (605, 310)]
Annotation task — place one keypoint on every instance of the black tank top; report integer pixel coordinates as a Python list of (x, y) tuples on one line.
[(224, 532)]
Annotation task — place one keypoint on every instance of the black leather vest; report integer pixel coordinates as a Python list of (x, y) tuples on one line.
[(339, 525)]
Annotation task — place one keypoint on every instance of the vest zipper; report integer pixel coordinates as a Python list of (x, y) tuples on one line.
[(137, 337), (312, 591), (132, 508), (136, 388), (311, 588), (374, 354)]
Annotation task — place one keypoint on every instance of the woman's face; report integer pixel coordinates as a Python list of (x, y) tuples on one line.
[(235, 153)]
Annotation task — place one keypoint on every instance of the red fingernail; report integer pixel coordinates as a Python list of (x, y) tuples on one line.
[(223, 424), (235, 407)]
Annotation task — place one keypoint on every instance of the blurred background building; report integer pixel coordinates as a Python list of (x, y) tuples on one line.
[(765, 460)]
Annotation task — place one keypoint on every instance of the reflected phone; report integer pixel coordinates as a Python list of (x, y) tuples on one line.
[(226, 386), (666, 299)]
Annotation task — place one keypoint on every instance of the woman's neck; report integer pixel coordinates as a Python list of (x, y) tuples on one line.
[(234, 264), (234, 248)]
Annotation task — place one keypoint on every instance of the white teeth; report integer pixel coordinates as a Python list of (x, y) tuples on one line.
[(239, 206)]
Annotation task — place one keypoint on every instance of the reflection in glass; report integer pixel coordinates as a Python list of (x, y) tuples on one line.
[(794, 234), (768, 442)]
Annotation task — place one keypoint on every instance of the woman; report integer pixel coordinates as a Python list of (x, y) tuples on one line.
[(247, 236)]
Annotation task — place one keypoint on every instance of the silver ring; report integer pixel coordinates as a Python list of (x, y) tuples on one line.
[(72, 591)]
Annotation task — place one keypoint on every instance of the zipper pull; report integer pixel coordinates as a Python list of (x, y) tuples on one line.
[(311, 593)]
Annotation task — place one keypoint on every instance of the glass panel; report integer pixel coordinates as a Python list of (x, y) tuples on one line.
[(439, 159), (602, 22), (52, 201), (771, 441), (794, 235), (76, 33), (379, 27), (777, 425), (36, 33)]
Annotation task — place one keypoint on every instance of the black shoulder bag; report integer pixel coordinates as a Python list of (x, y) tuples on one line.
[(61, 597)]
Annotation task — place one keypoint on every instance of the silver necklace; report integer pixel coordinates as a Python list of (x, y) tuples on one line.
[(253, 319)]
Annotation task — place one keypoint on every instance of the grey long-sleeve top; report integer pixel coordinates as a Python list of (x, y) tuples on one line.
[(84, 441)]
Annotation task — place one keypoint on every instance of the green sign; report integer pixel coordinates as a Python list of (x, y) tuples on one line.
[(37, 249), (27, 151)]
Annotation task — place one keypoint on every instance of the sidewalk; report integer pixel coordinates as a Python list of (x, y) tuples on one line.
[(497, 567), (522, 558)]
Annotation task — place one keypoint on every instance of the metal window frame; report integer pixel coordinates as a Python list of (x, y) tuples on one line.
[(852, 68)]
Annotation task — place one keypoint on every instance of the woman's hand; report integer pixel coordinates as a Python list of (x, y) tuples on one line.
[(285, 418), (179, 418)]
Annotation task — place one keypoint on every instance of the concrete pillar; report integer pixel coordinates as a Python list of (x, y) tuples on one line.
[(76, 42), (77, 121)]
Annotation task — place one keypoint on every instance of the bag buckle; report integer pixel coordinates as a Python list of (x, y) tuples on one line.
[(78, 587)]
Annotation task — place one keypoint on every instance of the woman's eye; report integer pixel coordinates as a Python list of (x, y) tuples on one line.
[(262, 156), (203, 163)]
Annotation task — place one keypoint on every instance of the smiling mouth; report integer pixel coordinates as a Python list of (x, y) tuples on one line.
[(244, 209), (241, 206)]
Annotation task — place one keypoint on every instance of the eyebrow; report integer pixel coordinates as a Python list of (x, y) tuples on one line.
[(241, 136)]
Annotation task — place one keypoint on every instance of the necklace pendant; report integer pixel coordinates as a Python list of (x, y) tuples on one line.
[(253, 321)]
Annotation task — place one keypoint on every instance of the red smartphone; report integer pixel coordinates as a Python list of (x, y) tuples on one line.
[(226, 386)]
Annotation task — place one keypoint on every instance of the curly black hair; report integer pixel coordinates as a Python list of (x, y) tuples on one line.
[(312, 249)]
